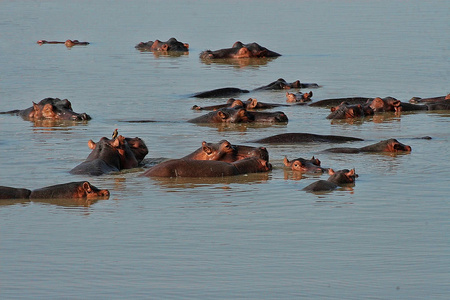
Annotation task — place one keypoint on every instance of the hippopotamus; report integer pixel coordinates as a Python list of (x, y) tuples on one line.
[(240, 115), (225, 151), (336, 101), (207, 168), (279, 84), (416, 100), (298, 97), (7, 192), (346, 111), (296, 138), (225, 115), (339, 178), (50, 108), (72, 190), (239, 50), (112, 156), (68, 43), (390, 145), (170, 45), (305, 165), (250, 104)]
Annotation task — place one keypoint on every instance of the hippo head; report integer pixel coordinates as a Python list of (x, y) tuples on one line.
[(304, 165), (138, 148), (56, 109), (346, 111), (234, 115), (215, 151), (115, 152), (342, 176), (392, 145), (87, 190)]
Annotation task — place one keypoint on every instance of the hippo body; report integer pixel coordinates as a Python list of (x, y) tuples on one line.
[(50, 108), (339, 178), (7, 192), (279, 84), (416, 100), (239, 50), (170, 45), (305, 165), (71, 190), (296, 138), (390, 145), (221, 93), (207, 168), (112, 156)]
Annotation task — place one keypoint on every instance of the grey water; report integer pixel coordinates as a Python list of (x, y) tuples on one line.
[(250, 237)]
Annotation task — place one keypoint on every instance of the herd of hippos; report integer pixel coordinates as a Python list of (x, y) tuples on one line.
[(222, 158)]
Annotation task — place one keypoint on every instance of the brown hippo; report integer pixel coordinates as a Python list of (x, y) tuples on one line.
[(50, 108), (390, 145), (346, 111), (279, 84), (7, 192), (170, 45), (268, 117), (68, 43), (250, 104), (416, 100), (207, 168), (71, 190), (112, 156), (305, 165), (336, 101), (298, 97), (225, 115), (339, 178), (239, 50), (225, 151), (296, 138)]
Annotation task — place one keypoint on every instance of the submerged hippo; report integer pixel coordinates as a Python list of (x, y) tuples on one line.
[(68, 43), (71, 190), (112, 156), (239, 50), (250, 104), (305, 165), (7, 192), (346, 111), (298, 97), (170, 45), (416, 100), (390, 145), (295, 138), (50, 108), (279, 84), (240, 115), (225, 151), (208, 168), (339, 178)]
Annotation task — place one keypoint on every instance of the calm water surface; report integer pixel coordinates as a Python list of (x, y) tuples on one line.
[(257, 236)]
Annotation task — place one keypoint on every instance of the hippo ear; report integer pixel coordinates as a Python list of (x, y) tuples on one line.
[(87, 187), (310, 94), (186, 45), (165, 47), (331, 171), (286, 161), (221, 114), (35, 107), (92, 145), (206, 148), (333, 109), (116, 143), (351, 172), (252, 104)]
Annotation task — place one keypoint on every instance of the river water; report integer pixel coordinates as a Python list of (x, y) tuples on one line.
[(257, 236)]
